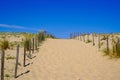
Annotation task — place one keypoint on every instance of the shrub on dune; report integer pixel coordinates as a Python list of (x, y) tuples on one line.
[(41, 36), (106, 51), (27, 41), (4, 44), (88, 41)]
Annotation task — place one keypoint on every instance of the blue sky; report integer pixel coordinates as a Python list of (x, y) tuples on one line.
[(60, 17)]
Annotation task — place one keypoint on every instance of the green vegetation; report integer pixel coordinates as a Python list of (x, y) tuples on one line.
[(106, 51), (10, 57), (19, 63), (89, 41), (27, 41), (115, 51), (41, 36), (118, 49), (102, 43), (104, 37), (7, 75), (50, 36), (4, 44)]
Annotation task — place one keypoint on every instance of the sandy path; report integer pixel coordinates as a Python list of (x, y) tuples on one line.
[(71, 60)]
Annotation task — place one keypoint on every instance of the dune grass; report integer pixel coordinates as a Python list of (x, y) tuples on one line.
[(4, 44), (115, 51), (89, 41), (27, 41), (41, 36)]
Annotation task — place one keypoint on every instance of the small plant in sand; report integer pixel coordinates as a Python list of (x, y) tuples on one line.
[(11, 45), (106, 51), (19, 63), (7, 75), (4, 44), (102, 43), (89, 41), (10, 57)]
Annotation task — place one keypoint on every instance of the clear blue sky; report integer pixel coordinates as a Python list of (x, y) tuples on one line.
[(60, 17)]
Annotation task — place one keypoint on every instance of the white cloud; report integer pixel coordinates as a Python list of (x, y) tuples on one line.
[(17, 27)]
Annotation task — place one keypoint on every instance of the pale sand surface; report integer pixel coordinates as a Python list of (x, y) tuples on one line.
[(60, 59)]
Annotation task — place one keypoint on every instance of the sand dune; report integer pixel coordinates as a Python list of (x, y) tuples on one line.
[(60, 59)]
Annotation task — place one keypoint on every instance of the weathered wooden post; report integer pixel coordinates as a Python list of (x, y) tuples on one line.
[(78, 35), (117, 47), (74, 35), (84, 37), (71, 35), (93, 39), (17, 57), (107, 41), (36, 43), (24, 55), (99, 41), (2, 64), (33, 46), (113, 45), (30, 49)]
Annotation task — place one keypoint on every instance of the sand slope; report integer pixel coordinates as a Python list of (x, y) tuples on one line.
[(60, 59)]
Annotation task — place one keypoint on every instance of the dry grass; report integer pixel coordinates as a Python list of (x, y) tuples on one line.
[(4, 44)]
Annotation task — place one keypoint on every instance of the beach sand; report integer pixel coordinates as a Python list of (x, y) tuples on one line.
[(65, 59)]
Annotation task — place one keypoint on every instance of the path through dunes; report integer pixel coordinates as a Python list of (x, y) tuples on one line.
[(60, 59)]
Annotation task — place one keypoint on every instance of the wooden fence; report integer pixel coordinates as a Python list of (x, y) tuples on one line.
[(34, 46), (86, 37)]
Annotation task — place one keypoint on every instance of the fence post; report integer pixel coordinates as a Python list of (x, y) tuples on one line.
[(16, 65), (74, 35), (35, 43), (38, 41), (78, 36), (93, 40), (99, 41), (2, 64), (70, 35), (33, 46), (107, 44), (30, 48), (24, 54)]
